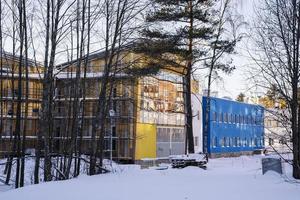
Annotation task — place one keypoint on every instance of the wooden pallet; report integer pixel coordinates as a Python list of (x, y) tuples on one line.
[(182, 163)]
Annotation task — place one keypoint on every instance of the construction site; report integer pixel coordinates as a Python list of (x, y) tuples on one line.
[(145, 116)]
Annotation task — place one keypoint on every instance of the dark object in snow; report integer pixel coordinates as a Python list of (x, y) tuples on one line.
[(182, 163), (162, 168), (273, 164)]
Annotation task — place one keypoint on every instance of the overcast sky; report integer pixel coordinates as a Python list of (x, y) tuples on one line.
[(237, 82), (230, 85)]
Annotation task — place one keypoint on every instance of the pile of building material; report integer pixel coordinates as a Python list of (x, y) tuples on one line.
[(182, 161)]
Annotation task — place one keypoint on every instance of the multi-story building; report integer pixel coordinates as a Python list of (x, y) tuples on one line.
[(234, 128), (148, 120), (9, 87), (278, 136)]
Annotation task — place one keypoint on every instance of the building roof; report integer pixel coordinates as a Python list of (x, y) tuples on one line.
[(233, 101), (16, 57), (92, 56)]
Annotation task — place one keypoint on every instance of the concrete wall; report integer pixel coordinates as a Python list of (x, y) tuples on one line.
[(197, 121)]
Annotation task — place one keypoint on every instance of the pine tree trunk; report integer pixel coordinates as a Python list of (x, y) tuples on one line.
[(187, 82)]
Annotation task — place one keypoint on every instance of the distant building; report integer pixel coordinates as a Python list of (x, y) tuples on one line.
[(212, 93), (277, 134), (234, 128)]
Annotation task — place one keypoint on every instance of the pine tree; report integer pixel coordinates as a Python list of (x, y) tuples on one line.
[(173, 37), (241, 97)]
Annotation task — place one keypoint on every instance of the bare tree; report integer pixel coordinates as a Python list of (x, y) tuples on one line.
[(277, 42), (222, 43), (118, 16)]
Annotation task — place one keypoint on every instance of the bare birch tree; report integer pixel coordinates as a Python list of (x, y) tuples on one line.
[(277, 42)]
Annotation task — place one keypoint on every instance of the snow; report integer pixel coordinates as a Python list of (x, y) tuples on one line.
[(225, 178)]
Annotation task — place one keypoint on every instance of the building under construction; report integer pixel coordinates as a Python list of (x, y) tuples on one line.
[(13, 75), (145, 116)]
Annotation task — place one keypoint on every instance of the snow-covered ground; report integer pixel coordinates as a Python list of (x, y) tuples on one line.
[(226, 178)]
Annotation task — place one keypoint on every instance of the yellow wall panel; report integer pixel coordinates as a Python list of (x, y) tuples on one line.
[(145, 141)]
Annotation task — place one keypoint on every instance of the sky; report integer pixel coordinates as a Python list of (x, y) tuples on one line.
[(238, 82), (230, 85)]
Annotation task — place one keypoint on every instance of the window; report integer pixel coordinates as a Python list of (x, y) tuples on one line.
[(214, 116), (225, 117), (235, 142), (114, 134), (245, 142), (271, 141), (238, 142), (230, 142), (221, 117), (222, 142), (227, 142), (215, 141)]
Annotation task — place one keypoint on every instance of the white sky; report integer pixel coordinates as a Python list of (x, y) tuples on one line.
[(230, 85), (237, 82)]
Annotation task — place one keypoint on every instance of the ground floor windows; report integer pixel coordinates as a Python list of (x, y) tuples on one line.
[(170, 141), (222, 142), (215, 142), (236, 142)]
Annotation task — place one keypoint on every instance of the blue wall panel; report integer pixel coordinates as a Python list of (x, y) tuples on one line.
[(234, 126)]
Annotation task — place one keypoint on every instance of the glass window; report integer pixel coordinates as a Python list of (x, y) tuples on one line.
[(214, 116), (225, 117), (221, 117), (235, 142), (230, 142), (222, 142), (245, 142), (227, 143), (215, 141), (238, 142)]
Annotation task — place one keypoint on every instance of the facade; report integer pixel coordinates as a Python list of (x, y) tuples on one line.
[(197, 121), (148, 119), (234, 127), (8, 101), (277, 134), (160, 116)]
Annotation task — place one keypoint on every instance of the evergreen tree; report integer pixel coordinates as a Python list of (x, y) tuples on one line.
[(173, 37), (241, 97)]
